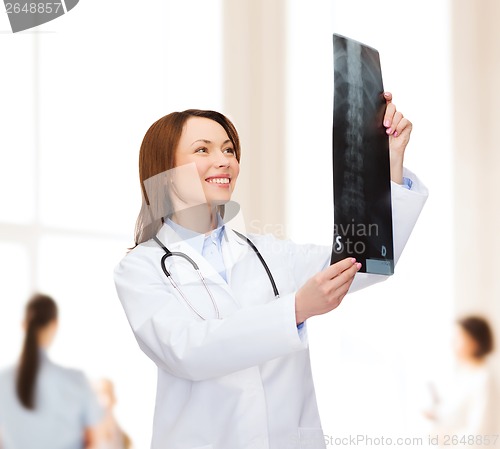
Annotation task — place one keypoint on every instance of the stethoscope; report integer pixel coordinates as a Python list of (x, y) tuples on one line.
[(169, 253)]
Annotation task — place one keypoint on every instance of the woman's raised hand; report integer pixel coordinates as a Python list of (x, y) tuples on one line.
[(398, 128)]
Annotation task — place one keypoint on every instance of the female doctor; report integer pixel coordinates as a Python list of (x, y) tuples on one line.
[(230, 343)]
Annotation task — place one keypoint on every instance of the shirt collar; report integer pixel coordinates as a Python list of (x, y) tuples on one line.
[(195, 239)]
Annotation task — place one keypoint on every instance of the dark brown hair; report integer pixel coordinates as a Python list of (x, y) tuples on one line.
[(157, 155), (41, 310), (480, 331)]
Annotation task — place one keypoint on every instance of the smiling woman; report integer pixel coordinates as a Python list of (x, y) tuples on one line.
[(202, 138), (223, 314)]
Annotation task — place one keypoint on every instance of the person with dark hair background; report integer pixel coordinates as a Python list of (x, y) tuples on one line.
[(43, 405), (477, 339), (464, 408)]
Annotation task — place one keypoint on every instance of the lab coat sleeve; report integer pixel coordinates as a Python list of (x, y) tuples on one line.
[(406, 207), (188, 347)]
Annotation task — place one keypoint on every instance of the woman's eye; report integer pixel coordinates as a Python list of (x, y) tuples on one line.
[(201, 150), (229, 150)]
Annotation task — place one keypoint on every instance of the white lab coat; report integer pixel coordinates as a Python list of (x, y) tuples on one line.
[(466, 407), (243, 381)]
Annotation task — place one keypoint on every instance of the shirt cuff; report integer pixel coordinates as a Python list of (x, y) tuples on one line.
[(407, 183)]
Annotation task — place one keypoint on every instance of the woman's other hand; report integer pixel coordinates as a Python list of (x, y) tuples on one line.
[(325, 290)]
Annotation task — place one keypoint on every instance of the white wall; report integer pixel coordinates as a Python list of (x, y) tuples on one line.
[(476, 68)]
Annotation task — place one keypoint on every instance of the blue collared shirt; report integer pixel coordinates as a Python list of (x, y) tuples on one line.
[(209, 246)]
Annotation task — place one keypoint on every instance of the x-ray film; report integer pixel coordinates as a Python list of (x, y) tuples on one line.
[(361, 171)]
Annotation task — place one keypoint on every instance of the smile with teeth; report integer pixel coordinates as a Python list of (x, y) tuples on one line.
[(218, 180)]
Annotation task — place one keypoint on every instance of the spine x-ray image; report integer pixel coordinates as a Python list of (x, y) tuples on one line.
[(361, 171)]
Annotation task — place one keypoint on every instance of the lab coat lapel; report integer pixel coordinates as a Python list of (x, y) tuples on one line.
[(234, 248)]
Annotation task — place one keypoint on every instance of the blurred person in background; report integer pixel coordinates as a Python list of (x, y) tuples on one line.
[(43, 405), (464, 408), (109, 433)]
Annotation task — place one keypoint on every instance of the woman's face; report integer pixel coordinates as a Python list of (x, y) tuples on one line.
[(205, 144)]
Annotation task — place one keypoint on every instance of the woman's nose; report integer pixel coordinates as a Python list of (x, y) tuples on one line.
[(221, 160)]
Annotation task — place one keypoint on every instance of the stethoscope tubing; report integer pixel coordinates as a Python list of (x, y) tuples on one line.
[(262, 261), (169, 253)]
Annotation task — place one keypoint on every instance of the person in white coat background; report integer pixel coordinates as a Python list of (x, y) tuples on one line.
[(464, 409), (232, 355)]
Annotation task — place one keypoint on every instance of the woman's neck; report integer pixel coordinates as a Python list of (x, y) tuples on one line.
[(201, 219)]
